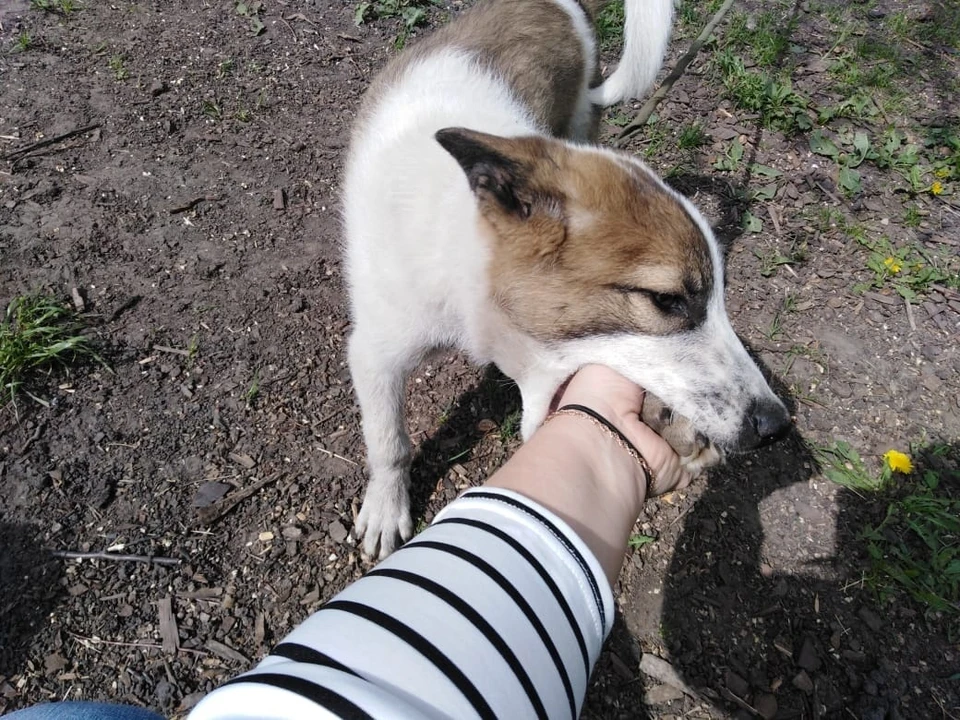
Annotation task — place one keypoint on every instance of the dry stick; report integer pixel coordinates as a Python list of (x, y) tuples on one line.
[(71, 555), (211, 514), (49, 141), (681, 67)]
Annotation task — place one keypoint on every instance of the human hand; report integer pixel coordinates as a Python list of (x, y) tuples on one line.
[(620, 402)]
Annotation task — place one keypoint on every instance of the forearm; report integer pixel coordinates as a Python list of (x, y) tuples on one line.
[(578, 472)]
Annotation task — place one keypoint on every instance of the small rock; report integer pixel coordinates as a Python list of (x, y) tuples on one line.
[(930, 352), (876, 13), (662, 694), (486, 425), (766, 705), (279, 199), (336, 531), (54, 663), (164, 693), (736, 684), (808, 658), (298, 304), (292, 532), (803, 682), (265, 536), (870, 618), (158, 87), (209, 492)]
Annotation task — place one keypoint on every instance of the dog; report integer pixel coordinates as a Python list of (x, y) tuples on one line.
[(480, 216)]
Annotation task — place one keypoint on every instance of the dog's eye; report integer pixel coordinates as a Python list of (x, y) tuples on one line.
[(670, 304)]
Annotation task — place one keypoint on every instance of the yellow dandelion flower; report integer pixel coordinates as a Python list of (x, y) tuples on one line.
[(942, 173), (937, 187), (893, 265), (898, 461)]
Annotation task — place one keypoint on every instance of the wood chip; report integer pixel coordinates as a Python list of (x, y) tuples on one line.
[(226, 652), (242, 459), (78, 302), (169, 634)]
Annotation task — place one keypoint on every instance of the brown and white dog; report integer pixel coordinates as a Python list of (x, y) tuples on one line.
[(478, 217)]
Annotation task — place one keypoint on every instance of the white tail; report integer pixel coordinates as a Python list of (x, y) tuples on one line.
[(646, 35)]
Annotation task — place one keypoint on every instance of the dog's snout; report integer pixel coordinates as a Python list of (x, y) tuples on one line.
[(766, 421), (770, 420)]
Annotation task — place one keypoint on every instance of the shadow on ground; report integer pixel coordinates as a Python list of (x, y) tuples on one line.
[(29, 591)]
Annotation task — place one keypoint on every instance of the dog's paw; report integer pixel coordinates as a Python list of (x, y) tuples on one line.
[(384, 520), (697, 453)]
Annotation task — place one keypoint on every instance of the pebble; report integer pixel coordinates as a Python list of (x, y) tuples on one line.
[(766, 705), (662, 694), (871, 619), (803, 682), (808, 658), (736, 684), (336, 531)]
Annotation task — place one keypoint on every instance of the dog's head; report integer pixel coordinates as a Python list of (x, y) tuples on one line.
[(597, 259)]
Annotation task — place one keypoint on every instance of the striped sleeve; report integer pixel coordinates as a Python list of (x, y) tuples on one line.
[(496, 610)]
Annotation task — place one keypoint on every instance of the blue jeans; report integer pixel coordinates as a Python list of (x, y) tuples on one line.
[(83, 711)]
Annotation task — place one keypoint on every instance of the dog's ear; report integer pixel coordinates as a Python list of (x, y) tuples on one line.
[(494, 167)]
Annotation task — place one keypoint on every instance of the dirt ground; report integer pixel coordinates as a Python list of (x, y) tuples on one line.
[(196, 215)]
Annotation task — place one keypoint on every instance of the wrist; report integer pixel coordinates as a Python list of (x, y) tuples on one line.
[(607, 461)]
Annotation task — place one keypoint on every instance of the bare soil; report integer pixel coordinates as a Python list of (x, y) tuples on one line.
[(197, 218)]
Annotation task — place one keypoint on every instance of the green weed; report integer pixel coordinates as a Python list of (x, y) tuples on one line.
[(61, 7), (253, 391), (118, 68), (23, 42), (510, 427), (212, 110), (37, 333), (732, 157), (250, 9), (773, 98), (916, 547), (412, 13), (692, 136), (639, 540), (787, 306), (771, 260), (909, 270), (843, 465), (765, 36)]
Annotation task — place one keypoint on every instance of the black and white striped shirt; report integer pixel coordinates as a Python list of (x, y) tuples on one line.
[(497, 610)]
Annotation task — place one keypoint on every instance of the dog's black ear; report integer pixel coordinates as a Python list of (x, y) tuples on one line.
[(491, 172)]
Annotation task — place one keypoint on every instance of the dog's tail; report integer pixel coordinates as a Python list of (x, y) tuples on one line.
[(646, 36)]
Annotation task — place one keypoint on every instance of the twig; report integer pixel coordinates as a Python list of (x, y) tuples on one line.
[(33, 438), (679, 69), (913, 323), (212, 513), (338, 457), (49, 141), (190, 205), (115, 557), (175, 351)]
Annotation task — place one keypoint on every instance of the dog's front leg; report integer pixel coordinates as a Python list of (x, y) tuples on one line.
[(379, 380)]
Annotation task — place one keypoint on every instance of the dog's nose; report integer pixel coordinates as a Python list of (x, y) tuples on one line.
[(769, 419)]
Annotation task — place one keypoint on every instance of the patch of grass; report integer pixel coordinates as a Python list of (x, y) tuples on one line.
[(609, 24), (23, 42), (916, 547), (118, 68), (61, 7), (912, 216), (787, 306), (36, 334), (772, 97), (910, 270), (692, 136), (212, 110), (765, 36), (510, 427)]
